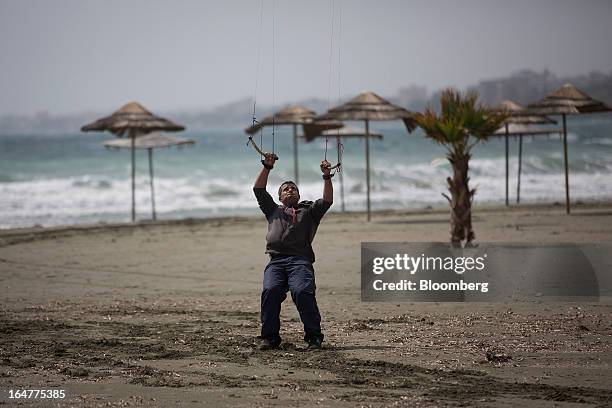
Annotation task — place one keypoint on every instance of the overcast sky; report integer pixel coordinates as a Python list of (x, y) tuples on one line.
[(65, 56)]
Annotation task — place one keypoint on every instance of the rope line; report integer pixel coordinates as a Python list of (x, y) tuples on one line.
[(261, 8), (258, 60), (273, 70), (329, 76), (255, 91), (339, 145)]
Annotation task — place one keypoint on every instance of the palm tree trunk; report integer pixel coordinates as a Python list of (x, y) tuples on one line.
[(460, 200), (133, 137)]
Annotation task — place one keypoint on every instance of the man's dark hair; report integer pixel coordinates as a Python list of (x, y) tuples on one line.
[(287, 182)]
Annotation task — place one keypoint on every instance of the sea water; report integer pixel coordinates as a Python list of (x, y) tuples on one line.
[(73, 179)]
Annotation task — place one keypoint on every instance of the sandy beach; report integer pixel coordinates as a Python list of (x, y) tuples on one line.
[(167, 314)]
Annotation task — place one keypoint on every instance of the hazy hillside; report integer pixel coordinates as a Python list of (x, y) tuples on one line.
[(522, 87), (527, 86)]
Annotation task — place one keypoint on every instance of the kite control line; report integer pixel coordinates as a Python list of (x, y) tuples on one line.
[(255, 122)]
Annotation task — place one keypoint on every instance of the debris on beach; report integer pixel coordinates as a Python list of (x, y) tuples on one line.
[(497, 357)]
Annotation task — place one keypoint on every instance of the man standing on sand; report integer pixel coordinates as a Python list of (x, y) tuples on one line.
[(291, 230)]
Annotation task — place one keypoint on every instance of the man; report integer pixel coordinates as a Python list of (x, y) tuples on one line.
[(291, 230)]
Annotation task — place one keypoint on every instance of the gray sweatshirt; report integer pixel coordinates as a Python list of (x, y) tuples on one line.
[(289, 235)]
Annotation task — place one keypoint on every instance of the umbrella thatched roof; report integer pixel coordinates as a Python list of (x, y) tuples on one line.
[(519, 115), (132, 117), (345, 132), (515, 129), (151, 141), (289, 116), (568, 100), (314, 129), (369, 106)]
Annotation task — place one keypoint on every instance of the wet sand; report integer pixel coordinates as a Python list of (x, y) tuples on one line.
[(167, 314)]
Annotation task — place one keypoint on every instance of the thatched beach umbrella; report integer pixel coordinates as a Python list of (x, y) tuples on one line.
[(521, 130), (132, 120), (316, 128), (293, 115), (368, 107), (567, 100), (348, 132), (517, 115), (151, 141), (340, 133)]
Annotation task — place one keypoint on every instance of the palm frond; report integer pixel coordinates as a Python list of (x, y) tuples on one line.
[(461, 116)]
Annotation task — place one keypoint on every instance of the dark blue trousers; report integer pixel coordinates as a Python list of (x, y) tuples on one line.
[(294, 273)]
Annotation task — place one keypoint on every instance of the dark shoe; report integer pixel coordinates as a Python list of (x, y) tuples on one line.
[(268, 344), (315, 343)]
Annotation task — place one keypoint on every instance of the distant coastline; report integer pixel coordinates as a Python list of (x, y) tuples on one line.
[(522, 87)]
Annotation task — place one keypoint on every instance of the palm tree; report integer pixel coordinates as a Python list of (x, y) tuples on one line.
[(461, 124)]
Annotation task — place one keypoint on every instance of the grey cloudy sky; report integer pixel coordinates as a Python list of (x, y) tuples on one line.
[(65, 56)]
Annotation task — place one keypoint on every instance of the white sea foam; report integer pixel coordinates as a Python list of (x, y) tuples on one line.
[(405, 173), (399, 185)]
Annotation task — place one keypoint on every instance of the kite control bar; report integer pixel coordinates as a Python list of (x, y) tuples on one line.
[(257, 149)]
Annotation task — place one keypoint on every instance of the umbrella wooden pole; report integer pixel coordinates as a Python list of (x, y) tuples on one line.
[(567, 195), (367, 152), (520, 159), (507, 202), (295, 153), (151, 182), (133, 137), (338, 141)]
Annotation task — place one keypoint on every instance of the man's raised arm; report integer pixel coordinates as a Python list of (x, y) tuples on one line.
[(328, 188), (268, 164)]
